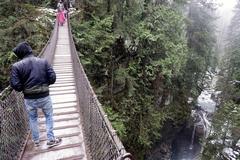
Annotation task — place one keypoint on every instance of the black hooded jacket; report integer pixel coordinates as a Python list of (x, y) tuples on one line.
[(31, 75)]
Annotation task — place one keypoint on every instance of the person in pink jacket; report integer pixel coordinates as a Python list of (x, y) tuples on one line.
[(60, 15)]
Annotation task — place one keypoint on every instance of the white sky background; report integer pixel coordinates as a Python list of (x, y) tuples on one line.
[(227, 4), (225, 11)]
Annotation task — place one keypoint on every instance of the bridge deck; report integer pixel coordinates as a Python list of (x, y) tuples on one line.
[(65, 108)]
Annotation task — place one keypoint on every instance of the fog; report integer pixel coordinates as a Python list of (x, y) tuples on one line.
[(224, 14)]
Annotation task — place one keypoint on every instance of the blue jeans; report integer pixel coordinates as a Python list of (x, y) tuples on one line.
[(46, 105)]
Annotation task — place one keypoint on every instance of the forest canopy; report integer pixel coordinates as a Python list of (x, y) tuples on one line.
[(144, 59)]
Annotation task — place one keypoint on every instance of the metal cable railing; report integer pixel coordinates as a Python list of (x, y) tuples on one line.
[(101, 140), (13, 118), (14, 126)]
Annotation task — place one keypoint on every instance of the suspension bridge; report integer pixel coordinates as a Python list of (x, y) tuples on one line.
[(78, 116)]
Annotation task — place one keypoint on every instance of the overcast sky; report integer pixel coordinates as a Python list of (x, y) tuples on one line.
[(225, 14)]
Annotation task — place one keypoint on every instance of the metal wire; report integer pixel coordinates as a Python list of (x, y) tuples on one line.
[(14, 126)]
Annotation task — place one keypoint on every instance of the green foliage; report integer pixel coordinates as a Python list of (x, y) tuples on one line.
[(136, 55), (117, 121), (225, 128), (232, 61), (143, 122), (18, 23), (160, 42), (201, 43), (132, 62), (178, 113), (94, 43)]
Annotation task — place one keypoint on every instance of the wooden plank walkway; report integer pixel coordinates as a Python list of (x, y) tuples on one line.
[(65, 108)]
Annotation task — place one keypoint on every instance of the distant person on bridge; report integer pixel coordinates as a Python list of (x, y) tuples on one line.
[(61, 13), (32, 76), (60, 6)]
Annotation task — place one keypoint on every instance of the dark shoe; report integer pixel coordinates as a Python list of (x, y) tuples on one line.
[(54, 142)]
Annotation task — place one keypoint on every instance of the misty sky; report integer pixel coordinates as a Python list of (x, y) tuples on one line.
[(225, 10), (225, 14)]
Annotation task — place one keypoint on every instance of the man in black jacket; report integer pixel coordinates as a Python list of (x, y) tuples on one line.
[(32, 76)]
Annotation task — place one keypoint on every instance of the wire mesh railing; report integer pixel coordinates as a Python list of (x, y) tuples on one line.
[(101, 140), (14, 128)]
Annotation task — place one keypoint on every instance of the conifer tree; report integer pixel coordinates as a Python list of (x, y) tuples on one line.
[(201, 43)]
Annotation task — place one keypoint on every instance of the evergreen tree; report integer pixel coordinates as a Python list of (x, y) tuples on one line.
[(133, 55), (136, 55), (201, 43)]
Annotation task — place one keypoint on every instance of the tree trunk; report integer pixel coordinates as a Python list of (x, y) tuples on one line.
[(108, 6)]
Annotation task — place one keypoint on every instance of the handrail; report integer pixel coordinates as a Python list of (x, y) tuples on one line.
[(94, 117), (49, 49)]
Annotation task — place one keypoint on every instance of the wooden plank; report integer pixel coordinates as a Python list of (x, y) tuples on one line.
[(64, 113), (62, 84), (44, 138), (64, 107), (62, 65), (62, 55), (65, 140), (59, 117), (60, 152), (61, 132), (66, 80), (65, 104), (62, 88), (61, 123), (65, 74), (60, 76), (42, 121), (73, 115), (63, 92), (63, 98), (64, 42), (63, 70), (65, 110), (66, 64), (57, 128), (63, 61), (73, 157)]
